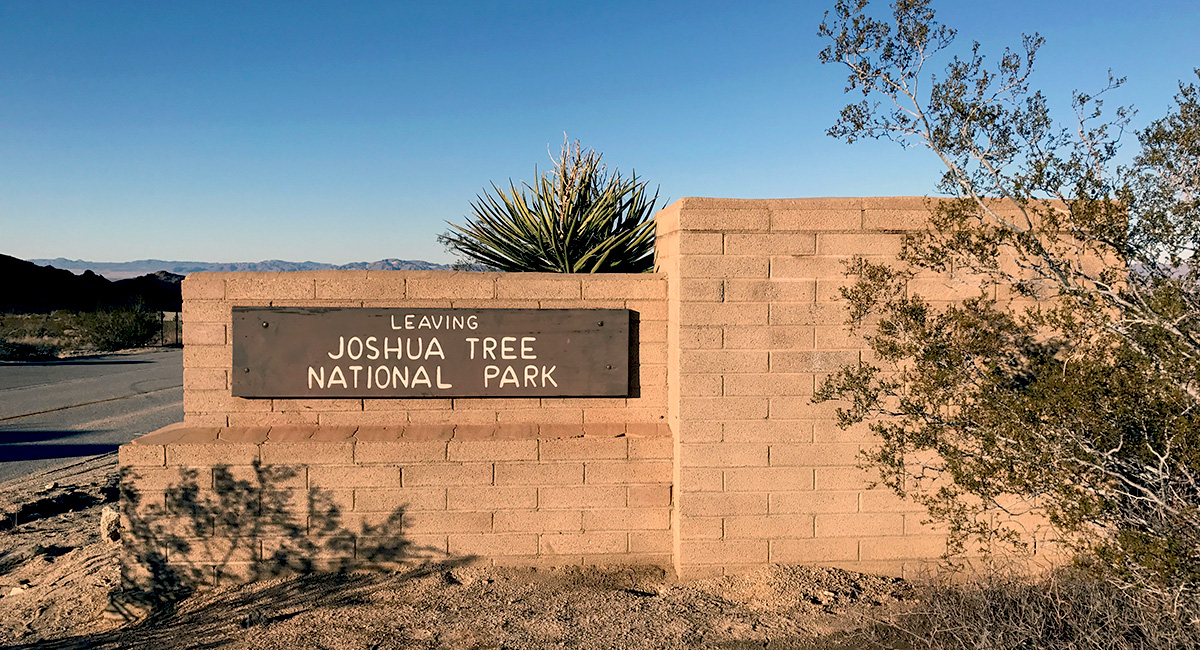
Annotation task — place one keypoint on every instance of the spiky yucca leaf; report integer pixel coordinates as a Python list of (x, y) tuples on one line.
[(576, 219)]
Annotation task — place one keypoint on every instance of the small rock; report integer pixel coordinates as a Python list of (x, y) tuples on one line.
[(50, 486), (16, 591), (110, 524)]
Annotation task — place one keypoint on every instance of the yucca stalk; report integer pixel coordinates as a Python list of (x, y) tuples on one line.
[(576, 219)]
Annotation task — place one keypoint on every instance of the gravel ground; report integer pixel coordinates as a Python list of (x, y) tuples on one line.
[(58, 576)]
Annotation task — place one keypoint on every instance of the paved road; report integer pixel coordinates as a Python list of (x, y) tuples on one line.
[(53, 413)]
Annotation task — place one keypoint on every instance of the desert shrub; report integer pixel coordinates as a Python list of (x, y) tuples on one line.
[(1068, 610), (16, 351), (577, 219), (121, 328)]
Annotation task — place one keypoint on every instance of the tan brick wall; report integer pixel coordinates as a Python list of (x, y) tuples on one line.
[(737, 328), (458, 491), (762, 475)]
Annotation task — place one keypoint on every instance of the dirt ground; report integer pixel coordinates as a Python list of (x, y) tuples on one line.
[(58, 576)]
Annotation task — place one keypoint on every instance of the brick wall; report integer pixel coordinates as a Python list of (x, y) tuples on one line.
[(762, 475), (720, 463)]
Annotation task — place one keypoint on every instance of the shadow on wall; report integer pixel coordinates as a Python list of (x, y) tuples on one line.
[(236, 529)]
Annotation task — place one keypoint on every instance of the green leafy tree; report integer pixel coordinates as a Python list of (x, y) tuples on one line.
[(575, 219), (1070, 386)]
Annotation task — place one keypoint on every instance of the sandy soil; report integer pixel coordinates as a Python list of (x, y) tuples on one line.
[(58, 577)]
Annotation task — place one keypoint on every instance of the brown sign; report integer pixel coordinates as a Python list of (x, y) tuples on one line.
[(348, 352)]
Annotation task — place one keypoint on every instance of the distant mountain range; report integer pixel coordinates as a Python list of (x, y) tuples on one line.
[(122, 270), (30, 288)]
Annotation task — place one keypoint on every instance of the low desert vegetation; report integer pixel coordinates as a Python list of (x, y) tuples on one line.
[(35, 337), (1065, 394), (578, 218)]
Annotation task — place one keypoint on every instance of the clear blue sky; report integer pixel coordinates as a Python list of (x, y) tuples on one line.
[(352, 131)]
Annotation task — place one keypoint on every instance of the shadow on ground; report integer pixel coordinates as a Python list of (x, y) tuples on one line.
[(234, 526)]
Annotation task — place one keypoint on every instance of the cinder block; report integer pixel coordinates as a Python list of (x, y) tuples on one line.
[(710, 504), (699, 290), (446, 474), (538, 521), (582, 497), (657, 543), (216, 379), (493, 545), (597, 542), (205, 334), (700, 385), (887, 501), (651, 448), (774, 290), (772, 430), (141, 455), (542, 415), (723, 361), (299, 405), (724, 266), (641, 286), (413, 404), (449, 417), (740, 313), (379, 499), (801, 502), (700, 243), (769, 384), (873, 524), (723, 455), (362, 418), (838, 337), (344, 285), (329, 476), (747, 218), (811, 551), (621, 415), (830, 289), (770, 244), (627, 472), (583, 449), (627, 519), (859, 244), (769, 527), (943, 288), (537, 286), (801, 407), (700, 338), (450, 284), (309, 453), (495, 450), (774, 337), (648, 311), (401, 451), (896, 219), (425, 522), (701, 528), (807, 314), (815, 455), (701, 479), (902, 548), (214, 453), (274, 285), (808, 267), (539, 473), (723, 408), (843, 478), (768, 479), (810, 361), (208, 356), (203, 286), (829, 431), (648, 496), (491, 497), (812, 220), (724, 552)]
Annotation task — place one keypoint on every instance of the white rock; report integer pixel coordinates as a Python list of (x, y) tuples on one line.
[(110, 524)]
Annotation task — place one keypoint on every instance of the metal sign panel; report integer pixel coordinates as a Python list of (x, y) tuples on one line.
[(326, 352)]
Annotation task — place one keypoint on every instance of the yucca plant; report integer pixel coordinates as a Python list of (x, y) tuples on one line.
[(577, 219)]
